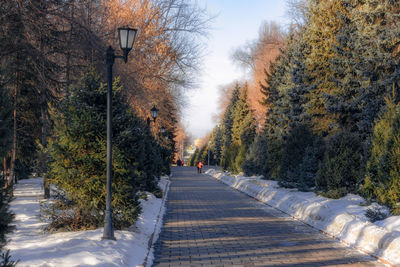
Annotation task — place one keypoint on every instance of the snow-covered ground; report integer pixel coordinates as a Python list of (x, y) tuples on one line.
[(33, 247), (342, 218)]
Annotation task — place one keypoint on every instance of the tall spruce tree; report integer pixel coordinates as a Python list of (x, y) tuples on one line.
[(227, 124), (192, 158), (243, 131), (300, 136), (377, 41), (216, 144), (345, 101), (29, 72), (276, 99), (320, 35)]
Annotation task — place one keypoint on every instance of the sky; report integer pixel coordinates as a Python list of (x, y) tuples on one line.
[(236, 22)]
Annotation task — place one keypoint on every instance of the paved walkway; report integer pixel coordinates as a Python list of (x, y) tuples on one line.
[(209, 224)]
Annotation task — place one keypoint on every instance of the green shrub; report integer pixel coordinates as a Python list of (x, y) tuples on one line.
[(376, 214)]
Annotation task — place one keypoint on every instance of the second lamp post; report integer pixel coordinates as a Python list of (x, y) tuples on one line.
[(126, 38)]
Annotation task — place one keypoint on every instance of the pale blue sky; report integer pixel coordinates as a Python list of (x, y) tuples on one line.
[(237, 22)]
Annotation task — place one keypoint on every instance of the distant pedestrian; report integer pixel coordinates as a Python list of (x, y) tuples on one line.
[(199, 166), (183, 163), (179, 162)]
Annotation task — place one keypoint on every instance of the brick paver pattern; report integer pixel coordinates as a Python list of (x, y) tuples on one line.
[(210, 224)]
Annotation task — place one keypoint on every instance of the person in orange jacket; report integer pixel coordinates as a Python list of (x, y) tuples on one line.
[(199, 166)]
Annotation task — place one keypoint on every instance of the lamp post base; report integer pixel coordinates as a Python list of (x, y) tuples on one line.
[(108, 233)]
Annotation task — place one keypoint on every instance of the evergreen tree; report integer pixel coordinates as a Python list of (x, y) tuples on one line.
[(201, 156), (6, 217), (204, 155), (297, 50), (192, 158), (300, 136), (344, 102), (216, 145), (78, 153), (243, 130), (382, 182), (227, 124), (320, 36), (243, 133), (377, 41), (276, 99), (243, 127), (28, 43)]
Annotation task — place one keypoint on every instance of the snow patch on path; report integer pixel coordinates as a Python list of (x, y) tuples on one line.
[(33, 247), (342, 218)]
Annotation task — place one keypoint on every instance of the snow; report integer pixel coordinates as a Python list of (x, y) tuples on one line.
[(33, 247), (341, 218)]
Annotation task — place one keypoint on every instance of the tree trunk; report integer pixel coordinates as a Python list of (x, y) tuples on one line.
[(68, 65), (5, 171), (43, 111), (14, 147)]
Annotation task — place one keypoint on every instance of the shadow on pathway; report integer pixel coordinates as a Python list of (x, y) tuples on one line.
[(210, 224)]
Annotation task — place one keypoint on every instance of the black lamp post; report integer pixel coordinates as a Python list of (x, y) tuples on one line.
[(154, 114), (126, 38)]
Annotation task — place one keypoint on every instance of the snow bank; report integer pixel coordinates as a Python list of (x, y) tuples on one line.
[(342, 218), (32, 247)]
